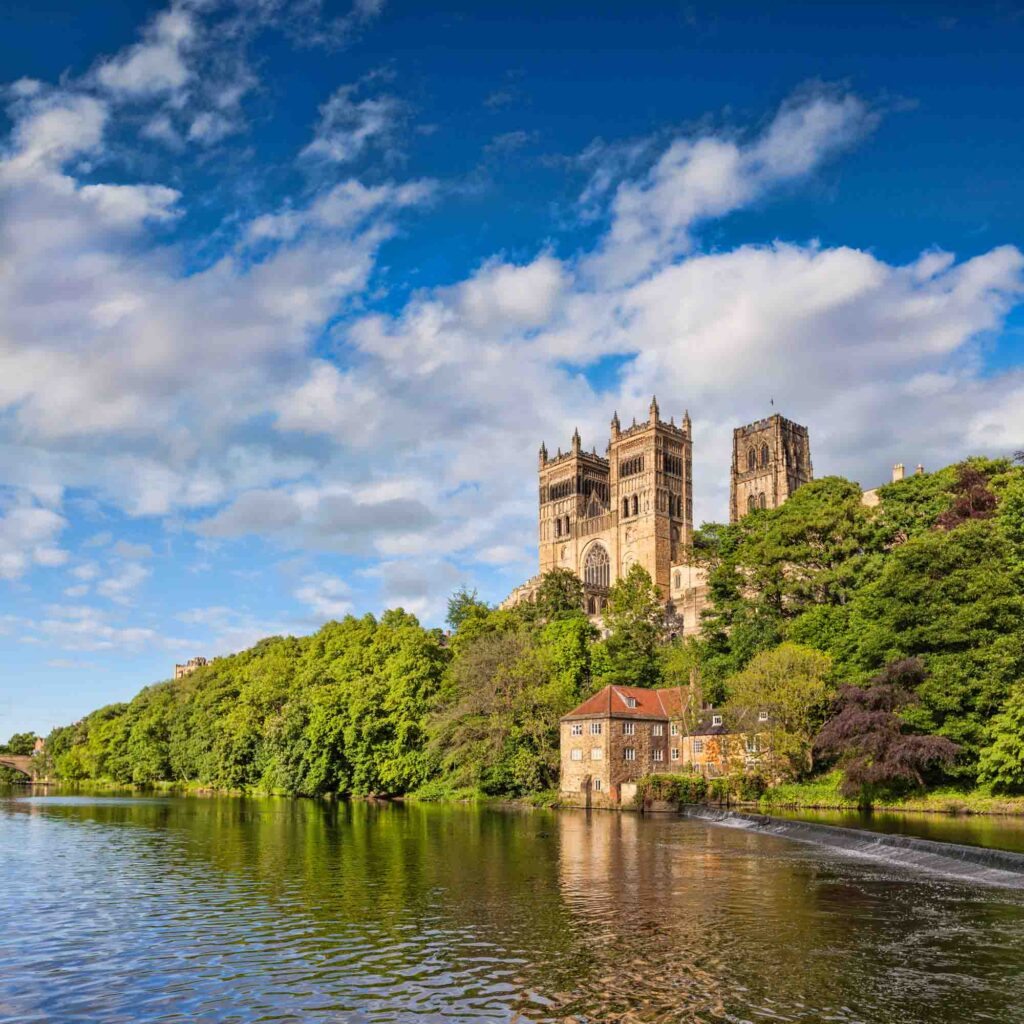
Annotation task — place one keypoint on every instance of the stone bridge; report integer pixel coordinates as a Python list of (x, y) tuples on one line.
[(19, 762)]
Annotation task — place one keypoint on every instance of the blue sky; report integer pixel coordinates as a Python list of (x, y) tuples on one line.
[(290, 293)]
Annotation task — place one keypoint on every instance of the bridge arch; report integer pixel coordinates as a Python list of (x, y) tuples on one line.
[(20, 763)]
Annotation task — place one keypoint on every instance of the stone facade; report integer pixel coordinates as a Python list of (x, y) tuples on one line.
[(623, 733), (189, 667), (598, 515), (770, 460)]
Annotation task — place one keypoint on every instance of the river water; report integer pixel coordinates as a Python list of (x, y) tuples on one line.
[(215, 909)]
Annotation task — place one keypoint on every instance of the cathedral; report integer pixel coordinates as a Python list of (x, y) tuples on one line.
[(600, 514)]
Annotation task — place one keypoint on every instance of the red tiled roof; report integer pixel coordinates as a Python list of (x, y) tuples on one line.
[(614, 700)]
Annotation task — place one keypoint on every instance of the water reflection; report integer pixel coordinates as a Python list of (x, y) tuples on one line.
[(173, 909)]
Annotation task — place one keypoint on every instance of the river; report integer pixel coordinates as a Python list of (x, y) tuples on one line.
[(209, 909)]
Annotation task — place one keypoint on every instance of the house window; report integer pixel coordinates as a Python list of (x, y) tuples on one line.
[(675, 753), (658, 729), (595, 728), (575, 754), (597, 754), (577, 728), (698, 746), (762, 716), (631, 702), (659, 755), (674, 729), (629, 753), (597, 785), (628, 728), (716, 719)]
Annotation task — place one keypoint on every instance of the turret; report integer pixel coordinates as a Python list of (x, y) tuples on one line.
[(616, 426), (687, 425), (576, 441), (898, 472), (542, 457), (653, 410)]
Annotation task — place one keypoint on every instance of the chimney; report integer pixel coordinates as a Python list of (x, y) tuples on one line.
[(898, 472), (919, 471)]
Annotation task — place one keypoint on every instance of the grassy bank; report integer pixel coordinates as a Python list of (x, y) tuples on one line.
[(823, 794)]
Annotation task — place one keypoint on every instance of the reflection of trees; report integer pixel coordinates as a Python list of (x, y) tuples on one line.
[(312, 910)]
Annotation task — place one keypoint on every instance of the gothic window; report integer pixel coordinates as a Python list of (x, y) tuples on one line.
[(751, 503), (678, 580), (591, 607), (625, 508), (558, 527), (675, 533), (597, 567), (764, 455), (761, 500), (751, 459), (566, 527), (630, 467), (636, 505)]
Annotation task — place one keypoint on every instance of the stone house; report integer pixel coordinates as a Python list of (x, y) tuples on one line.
[(623, 733)]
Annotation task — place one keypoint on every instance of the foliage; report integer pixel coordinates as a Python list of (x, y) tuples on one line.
[(560, 594), (636, 620), (792, 683), (20, 744), (973, 499), (677, 789), (1002, 762), (871, 741)]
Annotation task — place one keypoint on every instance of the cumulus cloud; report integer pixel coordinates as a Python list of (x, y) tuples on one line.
[(327, 597), (85, 628), (158, 63), (121, 585), (29, 536)]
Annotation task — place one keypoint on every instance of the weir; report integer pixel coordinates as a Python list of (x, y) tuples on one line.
[(979, 864)]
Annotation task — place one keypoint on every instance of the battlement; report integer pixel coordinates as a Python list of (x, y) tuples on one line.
[(766, 424)]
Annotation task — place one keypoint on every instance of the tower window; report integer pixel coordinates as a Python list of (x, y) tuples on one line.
[(597, 567), (751, 503), (558, 527), (764, 455), (752, 459), (761, 501), (636, 505), (625, 508)]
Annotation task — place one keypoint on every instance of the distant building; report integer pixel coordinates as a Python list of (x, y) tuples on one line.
[(770, 460), (623, 733), (189, 667), (872, 498)]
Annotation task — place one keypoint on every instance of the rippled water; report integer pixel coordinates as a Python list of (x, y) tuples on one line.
[(210, 910)]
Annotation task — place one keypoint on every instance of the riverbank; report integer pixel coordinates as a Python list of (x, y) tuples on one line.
[(823, 794)]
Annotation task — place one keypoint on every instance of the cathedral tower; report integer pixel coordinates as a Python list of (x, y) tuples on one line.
[(770, 460), (600, 515)]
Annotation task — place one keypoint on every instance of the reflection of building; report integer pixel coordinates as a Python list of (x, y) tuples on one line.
[(623, 733), (189, 667), (770, 460)]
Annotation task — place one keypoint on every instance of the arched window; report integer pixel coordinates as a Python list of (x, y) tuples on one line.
[(764, 455), (636, 505), (678, 579), (567, 530), (752, 459), (558, 527), (751, 503), (597, 567), (761, 500), (591, 606), (625, 508)]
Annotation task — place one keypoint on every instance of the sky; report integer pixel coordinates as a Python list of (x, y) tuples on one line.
[(291, 293)]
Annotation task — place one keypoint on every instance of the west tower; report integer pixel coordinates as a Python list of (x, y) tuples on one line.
[(770, 460), (601, 514)]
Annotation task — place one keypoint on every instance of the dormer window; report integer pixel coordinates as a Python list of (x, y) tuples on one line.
[(631, 702), (716, 719), (762, 716)]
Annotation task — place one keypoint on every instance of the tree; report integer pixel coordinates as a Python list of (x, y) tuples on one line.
[(1001, 765), (21, 743), (462, 605), (560, 593), (635, 619), (973, 499), (792, 684), (876, 748)]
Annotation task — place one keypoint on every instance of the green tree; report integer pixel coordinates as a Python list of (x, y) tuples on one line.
[(21, 743), (560, 593), (793, 684), (1001, 764), (635, 619)]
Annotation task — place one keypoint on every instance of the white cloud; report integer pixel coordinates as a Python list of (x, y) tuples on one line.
[(327, 597), (84, 628), (156, 65), (29, 537), (121, 586), (349, 126)]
